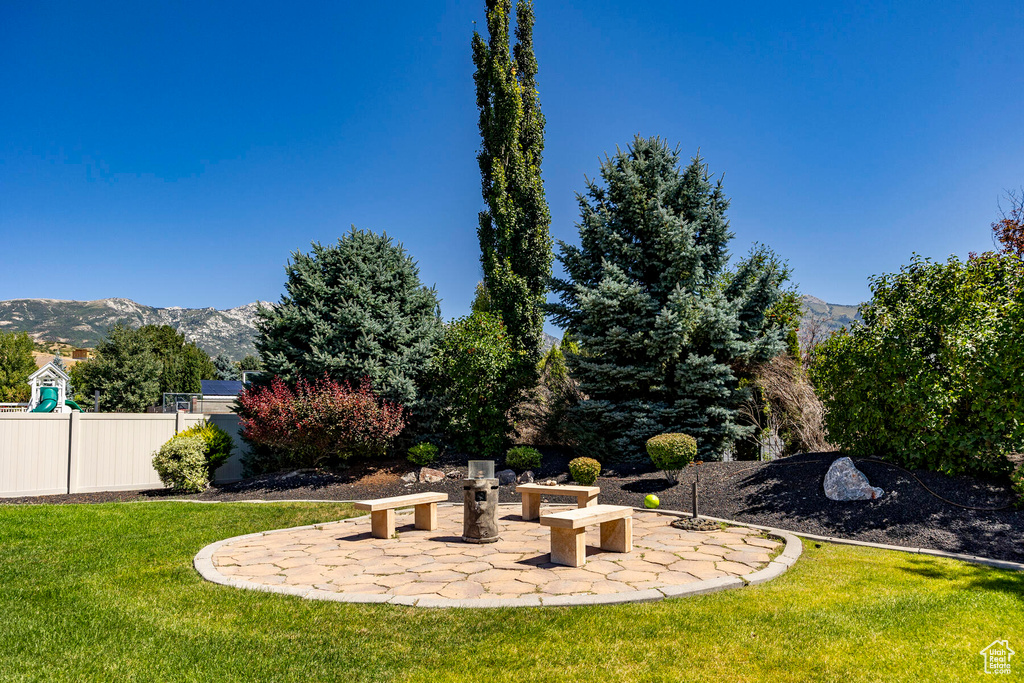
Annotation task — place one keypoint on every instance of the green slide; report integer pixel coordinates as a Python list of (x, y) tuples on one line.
[(48, 401)]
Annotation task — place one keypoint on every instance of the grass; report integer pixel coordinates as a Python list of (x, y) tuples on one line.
[(108, 592)]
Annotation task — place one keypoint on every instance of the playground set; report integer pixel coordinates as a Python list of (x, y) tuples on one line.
[(49, 391)]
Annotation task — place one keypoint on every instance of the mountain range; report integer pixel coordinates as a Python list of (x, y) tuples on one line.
[(230, 332), (85, 323)]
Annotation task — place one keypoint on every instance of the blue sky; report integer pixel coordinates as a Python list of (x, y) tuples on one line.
[(176, 153)]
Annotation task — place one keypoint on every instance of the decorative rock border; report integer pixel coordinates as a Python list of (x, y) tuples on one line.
[(203, 563)]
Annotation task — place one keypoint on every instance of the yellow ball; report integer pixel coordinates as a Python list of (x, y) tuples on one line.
[(651, 501)]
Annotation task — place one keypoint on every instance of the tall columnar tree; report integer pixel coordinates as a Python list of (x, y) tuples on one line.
[(352, 310), (515, 242), (664, 326)]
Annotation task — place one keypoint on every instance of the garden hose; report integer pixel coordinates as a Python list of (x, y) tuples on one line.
[(944, 500)]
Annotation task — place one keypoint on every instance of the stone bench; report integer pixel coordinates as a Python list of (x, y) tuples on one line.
[(586, 496), (568, 532), (382, 512)]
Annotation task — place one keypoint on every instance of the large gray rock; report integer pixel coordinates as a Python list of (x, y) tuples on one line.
[(430, 476), (844, 481), (410, 478), (506, 477), (526, 477)]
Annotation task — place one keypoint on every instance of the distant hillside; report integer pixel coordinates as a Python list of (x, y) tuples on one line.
[(833, 316), (84, 323), (231, 332)]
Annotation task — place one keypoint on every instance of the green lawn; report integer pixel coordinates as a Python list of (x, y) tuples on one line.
[(108, 592)]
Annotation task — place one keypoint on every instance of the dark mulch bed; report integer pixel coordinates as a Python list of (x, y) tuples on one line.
[(786, 494)]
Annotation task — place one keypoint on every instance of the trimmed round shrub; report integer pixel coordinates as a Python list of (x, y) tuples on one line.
[(181, 464), (671, 453), (584, 470), (423, 454), (219, 444), (522, 458)]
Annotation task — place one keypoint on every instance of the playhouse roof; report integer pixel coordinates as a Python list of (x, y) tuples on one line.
[(51, 369)]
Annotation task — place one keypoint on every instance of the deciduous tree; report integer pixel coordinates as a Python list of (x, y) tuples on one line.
[(514, 234), (125, 369), (16, 364)]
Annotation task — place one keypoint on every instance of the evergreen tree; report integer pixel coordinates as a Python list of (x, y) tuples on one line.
[(16, 364), (58, 362), (226, 368), (352, 310), (663, 326), (125, 370), (514, 234)]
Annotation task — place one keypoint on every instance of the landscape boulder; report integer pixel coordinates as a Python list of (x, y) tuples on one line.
[(456, 474), (844, 481), (526, 477), (430, 476), (410, 478), (506, 477)]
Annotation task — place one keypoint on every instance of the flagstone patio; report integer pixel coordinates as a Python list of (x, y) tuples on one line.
[(434, 567)]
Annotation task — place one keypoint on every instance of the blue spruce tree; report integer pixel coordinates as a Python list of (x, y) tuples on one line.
[(351, 310), (665, 329)]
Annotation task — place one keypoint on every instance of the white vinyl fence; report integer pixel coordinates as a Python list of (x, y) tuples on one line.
[(46, 453)]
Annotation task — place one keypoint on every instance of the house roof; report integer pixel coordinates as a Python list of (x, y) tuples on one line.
[(220, 387)]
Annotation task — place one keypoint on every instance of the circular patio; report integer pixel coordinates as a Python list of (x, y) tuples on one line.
[(341, 561)]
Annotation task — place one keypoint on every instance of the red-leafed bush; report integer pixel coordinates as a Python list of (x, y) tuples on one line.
[(316, 422)]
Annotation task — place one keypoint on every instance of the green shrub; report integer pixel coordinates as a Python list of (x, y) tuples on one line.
[(931, 379), (1017, 482), (181, 464), (423, 454), (584, 470), (522, 458), (472, 367), (671, 453), (219, 444)]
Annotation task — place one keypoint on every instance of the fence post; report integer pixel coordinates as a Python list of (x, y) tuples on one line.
[(179, 422), (74, 449)]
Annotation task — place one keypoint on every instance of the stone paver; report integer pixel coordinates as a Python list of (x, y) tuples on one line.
[(435, 565)]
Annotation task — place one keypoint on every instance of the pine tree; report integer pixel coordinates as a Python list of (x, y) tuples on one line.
[(514, 234), (226, 368), (662, 324), (352, 310), (58, 362)]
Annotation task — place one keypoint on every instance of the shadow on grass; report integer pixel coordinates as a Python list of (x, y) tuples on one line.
[(975, 577)]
